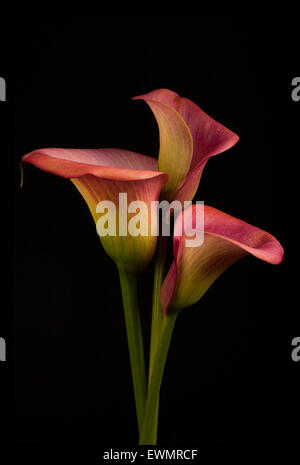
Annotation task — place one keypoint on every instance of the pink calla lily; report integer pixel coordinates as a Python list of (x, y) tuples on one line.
[(188, 138), (226, 240), (101, 174)]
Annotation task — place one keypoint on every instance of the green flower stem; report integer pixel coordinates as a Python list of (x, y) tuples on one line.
[(149, 428), (128, 281), (157, 318)]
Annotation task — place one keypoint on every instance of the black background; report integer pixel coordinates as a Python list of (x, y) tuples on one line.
[(228, 384)]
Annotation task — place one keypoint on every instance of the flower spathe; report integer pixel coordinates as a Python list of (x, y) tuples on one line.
[(101, 174), (188, 138), (226, 240)]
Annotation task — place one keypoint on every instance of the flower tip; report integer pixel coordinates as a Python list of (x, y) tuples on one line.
[(160, 95), (278, 257), (24, 157), (29, 156), (236, 138), (21, 174), (231, 140), (271, 251), (140, 97)]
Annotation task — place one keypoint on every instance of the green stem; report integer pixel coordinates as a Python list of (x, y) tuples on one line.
[(157, 318), (128, 281), (148, 433)]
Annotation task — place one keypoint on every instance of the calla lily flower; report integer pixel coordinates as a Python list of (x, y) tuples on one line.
[(226, 240), (188, 138), (102, 174)]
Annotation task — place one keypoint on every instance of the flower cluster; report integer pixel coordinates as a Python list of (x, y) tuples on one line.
[(188, 137)]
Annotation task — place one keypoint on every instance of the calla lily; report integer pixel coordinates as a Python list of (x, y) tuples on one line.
[(226, 240), (188, 138), (102, 174)]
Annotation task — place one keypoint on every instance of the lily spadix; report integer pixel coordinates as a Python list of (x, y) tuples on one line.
[(192, 272), (101, 175), (188, 138)]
